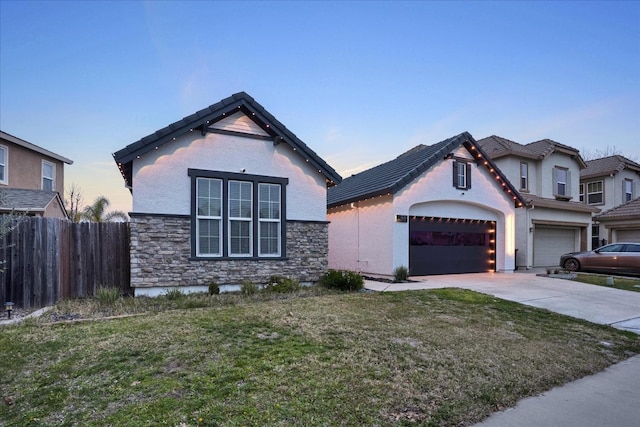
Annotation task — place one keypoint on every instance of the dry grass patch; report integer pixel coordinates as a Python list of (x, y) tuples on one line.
[(445, 357)]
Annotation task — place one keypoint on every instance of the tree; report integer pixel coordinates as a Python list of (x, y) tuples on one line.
[(97, 212), (72, 204)]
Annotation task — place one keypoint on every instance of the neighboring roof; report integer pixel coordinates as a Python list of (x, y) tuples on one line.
[(33, 147), (496, 146), (610, 165), (20, 200), (202, 119), (390, 177), (543, 202), (629, 210)]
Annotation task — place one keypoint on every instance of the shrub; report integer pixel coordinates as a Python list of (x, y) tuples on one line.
[(173, 294), (214, 289), (342, 280), (400, 273), (107, 296), (248, 288), (281, 285)]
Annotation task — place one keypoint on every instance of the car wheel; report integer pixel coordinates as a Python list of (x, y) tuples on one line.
[(571, 264)]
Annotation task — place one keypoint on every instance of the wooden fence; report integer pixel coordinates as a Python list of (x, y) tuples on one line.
[(48, 259)]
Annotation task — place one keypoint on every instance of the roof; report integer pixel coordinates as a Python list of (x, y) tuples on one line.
[(204, 118), (610, 165), (21, 200), (496, 146), (543, 202), (392, 176), (33, 147), (629, 210)]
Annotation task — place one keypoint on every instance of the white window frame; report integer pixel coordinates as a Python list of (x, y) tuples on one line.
[(52, 177), (270, 219), (581, 190), (200, 218), (589, 193), (524, 176), (558, 181), (461, 175), (243, 219), (628, 190), (4, 180)]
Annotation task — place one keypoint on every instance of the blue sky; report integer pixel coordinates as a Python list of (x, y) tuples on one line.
[(359, 82)]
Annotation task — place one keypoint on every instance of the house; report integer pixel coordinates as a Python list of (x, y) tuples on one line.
[(606, 183), (31, 178), (437, 209), (227, 194), (546, 173), (622, 223)]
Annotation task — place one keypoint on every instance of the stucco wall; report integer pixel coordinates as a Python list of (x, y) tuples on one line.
[(161, 184), (25, 168), (545, 178), (384, 243)]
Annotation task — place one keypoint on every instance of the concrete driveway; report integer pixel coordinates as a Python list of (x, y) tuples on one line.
[(597, 304)]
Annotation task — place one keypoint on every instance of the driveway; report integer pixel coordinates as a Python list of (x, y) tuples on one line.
[(597, 304)]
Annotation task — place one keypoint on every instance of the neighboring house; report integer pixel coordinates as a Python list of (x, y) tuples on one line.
[(622, 223), (443, 208), (229, 195), (38, 174), (606, 183), (546, 174)]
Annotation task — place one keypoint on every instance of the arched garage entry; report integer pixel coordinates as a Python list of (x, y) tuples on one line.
[(460, 243)]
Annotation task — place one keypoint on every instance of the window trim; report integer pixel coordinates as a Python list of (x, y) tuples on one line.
[(457, 162), (196, 227), (624, 190), (587, 193), (240, 219), (277, 221), (194, 174), (524, 187), (582, 192), (53, 177), (5, 179), (566, 182)]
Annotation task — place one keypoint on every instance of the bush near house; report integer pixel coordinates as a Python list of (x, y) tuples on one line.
[(342, 280)]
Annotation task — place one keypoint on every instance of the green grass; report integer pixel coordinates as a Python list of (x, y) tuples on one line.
[(626, 284), (444, 357)]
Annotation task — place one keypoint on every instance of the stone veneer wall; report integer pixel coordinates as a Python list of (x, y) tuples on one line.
[(161, 252)]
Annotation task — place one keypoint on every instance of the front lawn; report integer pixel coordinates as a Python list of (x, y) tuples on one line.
[(442, 357), (624, 283)]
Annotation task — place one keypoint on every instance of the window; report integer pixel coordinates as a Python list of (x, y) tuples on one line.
[(461, 175), (48, 176), (594, 193), (3, 164), (581, 191), (524, 176), (240, 218), (628, 190), (209, 217), (561, 183), (237, 215)]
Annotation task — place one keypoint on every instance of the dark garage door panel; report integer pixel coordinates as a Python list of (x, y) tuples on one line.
[(441, 246)]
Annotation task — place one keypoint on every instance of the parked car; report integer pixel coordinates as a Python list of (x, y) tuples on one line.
[(620, 257)]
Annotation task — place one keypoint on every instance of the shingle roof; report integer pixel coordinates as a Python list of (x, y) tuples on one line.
[(33, 147), (631, 209), (26, 200), (202, 119), (608, 166), (496, 146), (390, 177), (543, 202)]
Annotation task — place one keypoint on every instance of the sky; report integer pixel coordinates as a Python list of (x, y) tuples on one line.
[(359, 82)]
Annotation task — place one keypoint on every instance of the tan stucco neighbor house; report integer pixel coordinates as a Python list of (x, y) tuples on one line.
[(31, 178)]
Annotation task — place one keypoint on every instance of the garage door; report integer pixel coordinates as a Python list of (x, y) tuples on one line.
[(450, 245), (550, 243), (628, 236)]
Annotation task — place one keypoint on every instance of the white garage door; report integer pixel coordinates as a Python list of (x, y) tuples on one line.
[(628, 236), (549, 243)]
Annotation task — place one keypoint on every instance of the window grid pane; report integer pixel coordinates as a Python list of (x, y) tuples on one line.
[(462, 169), (209, 216), (240, 199)]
